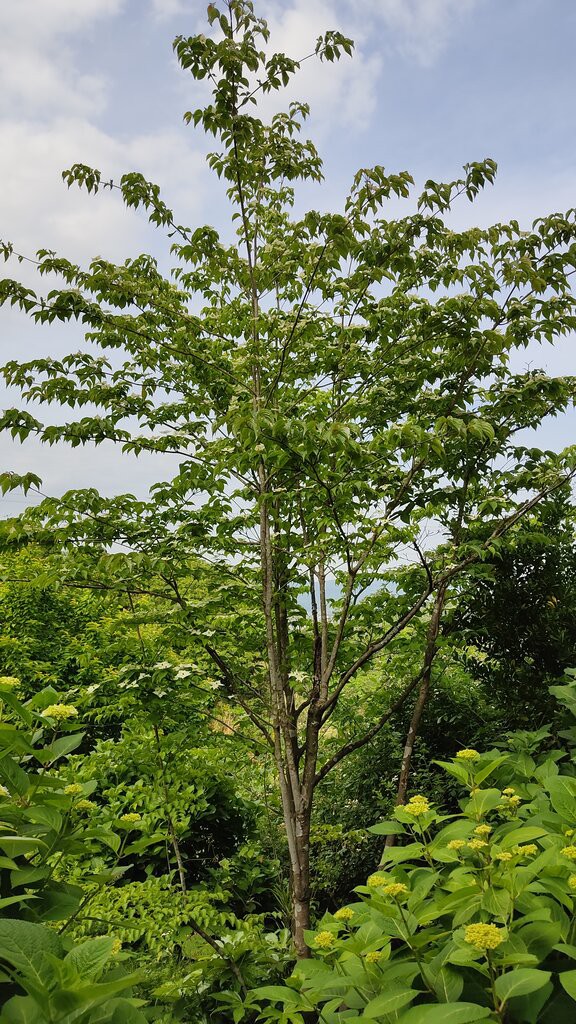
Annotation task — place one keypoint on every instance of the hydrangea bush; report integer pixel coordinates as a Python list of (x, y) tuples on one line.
[(45, 975), (470, 915)]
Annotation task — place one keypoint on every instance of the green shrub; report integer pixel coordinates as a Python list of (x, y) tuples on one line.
[(44, 975), (470, 917)]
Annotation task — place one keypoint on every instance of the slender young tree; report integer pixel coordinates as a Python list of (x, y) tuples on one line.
[(337, 387)]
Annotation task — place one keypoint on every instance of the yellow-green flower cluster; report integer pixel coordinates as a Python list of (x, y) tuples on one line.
[(131, 818), (456, 844), (502, 855), (477, 844), (526, 850), (468, 754), (344, 914), (484, 936), (569, 851), (116, 946), (85, 805), (417, 805), (60, 712), (324, 940), (483, 830), (510, 800), (395, 889), (376, 880), (10, 682), (373, 956), (74, 789)]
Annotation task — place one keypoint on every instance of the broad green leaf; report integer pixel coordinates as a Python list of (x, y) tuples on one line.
[(562, 789), (22, 1010), (487, 769), (528, 1008), (447, 984), (568, 982), (23, 943), (13, 776), (16, 846), (453, 768), (63, 745), (387, 828), (445, 1013), (523, 834), (393, 998), (520, 982), (126, 1013), (399, 854), (277, 994), (567, 949), (482, 802)]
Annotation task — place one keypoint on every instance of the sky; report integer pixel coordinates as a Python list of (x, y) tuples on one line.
[(432, 84)]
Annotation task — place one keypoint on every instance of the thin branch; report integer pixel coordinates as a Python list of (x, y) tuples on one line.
[(361, 741), (232, 680)]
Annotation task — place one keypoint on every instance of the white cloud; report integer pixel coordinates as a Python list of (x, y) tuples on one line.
[(420, 29), (345, 92), (342, 92), (48, 109), (39, 72), (43, 19), (168, 8), (36, 209)]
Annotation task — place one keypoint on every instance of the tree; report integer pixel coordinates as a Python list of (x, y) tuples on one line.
[(330, 413), (517, 630)]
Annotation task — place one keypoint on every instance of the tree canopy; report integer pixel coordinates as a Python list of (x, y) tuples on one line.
[(340, 389)]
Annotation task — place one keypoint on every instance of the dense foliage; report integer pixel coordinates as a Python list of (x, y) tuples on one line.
[(472, 917), (359, 570)]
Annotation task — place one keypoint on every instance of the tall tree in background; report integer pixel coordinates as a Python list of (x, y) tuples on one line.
[(521, 622), (330, 415)]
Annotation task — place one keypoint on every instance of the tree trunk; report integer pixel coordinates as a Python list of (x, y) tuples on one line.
[(301, 886)]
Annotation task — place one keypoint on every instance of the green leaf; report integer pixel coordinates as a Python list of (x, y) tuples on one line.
[(23, 943), (393, 998), (22, 1010), (528, 1008), (15, 846), (63, 745), (387, 828), (446, 1013), (568, 982), (567, 949), (13, 776), (9, 900), (277, 994), (126, 1013), (91, 957), (562, 789), (482, 802), (93, 995), (399, 854), (520, 982), (448, 984), (58, 901), (487, 769), (457, 770), (524, 834)]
